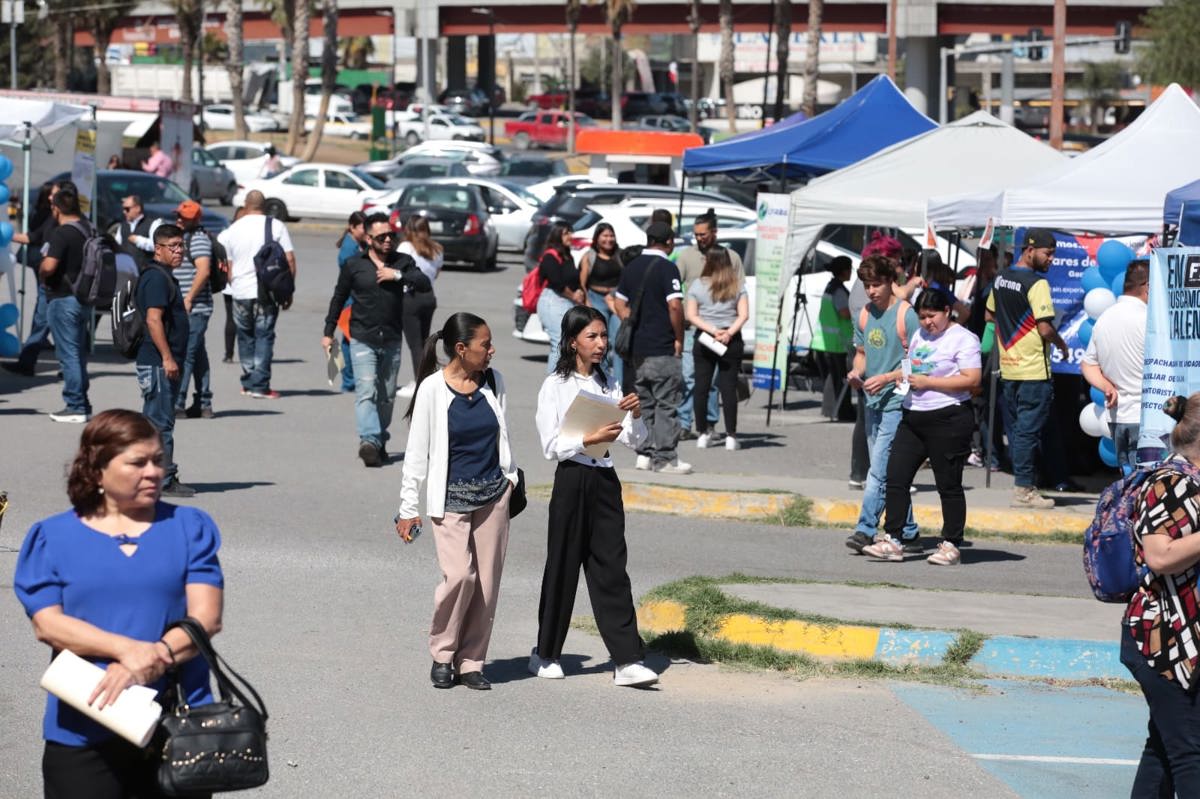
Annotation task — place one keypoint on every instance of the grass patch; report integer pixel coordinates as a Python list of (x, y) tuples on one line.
[(585, 624), (965, 647), (798, 513)]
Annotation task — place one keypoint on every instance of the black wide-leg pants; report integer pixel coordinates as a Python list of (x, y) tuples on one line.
[(587, 529)]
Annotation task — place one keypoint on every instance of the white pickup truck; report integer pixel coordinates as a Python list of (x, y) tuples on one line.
[(441, 126)]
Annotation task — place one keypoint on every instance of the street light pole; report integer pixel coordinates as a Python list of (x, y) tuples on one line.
[(12, 41), (491, 90)]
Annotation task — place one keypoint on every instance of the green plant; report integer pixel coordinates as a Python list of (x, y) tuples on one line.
[(1173, 29)]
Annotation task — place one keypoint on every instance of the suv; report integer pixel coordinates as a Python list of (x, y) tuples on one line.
[(570, 202), (471, 102)]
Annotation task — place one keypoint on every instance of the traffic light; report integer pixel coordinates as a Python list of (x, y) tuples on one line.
[(1034, 51), (1124, 33)]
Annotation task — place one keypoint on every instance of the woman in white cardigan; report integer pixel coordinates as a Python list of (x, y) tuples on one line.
[(458, 447)]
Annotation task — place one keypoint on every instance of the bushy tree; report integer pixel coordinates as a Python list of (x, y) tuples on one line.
[(1174, 29)]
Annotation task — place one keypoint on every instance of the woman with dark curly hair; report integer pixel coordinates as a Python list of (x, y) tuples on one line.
[(104, 580)]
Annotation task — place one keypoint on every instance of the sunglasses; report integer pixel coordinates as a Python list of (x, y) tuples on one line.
[(383, 238)]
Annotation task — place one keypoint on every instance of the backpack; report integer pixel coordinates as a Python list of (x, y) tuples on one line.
[(128, 321), (533, 285), (901, 327), (1109, 558), (218, 264), (275, 281), (96, 282)]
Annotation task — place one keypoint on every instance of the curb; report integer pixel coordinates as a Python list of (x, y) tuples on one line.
[(1001, 656), (653, 498)]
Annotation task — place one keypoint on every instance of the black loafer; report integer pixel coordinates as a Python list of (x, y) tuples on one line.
[(442, 675), (475, 681)]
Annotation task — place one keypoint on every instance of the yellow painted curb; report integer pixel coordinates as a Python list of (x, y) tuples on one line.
[(995, 520), (722, 504), (662, 616), (842, 641)]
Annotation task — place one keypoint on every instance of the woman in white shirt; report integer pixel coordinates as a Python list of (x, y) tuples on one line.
[(587, 516), (418, 308), (717, 305), (458, 447)]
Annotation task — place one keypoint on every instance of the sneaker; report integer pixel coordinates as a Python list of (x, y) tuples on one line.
[(177, 489), (885, 548), (912, 489), (181, 413), (1028, 497), (687, 434), (704, 441), (227, 359), (732, 444), (68, 416), (406, 390), (268, 394), (674, 467), (975, 459), (371, 455), (859, 541), (206, 413), (643, 463), (546, 669), (856, 484), (912, 546), (946, 555), (634, 675)]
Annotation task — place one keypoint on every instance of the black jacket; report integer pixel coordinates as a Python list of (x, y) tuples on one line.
[(377, 313)]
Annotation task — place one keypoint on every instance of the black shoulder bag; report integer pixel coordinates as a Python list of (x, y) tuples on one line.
[(519, 500), (216, 747), (623, 346)]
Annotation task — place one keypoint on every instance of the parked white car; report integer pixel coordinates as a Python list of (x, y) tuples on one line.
[(450, 127), (219, 116), (330, 191), (545, 190), (479, 158), (245, 159), (630, 218), (338, 123)]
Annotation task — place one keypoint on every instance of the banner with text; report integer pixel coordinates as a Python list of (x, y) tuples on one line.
[(770, 251), (1172, 339)]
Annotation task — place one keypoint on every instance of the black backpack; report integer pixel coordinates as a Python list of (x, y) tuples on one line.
[(275, 281), (218, 264), (128, 321), (96, 282)]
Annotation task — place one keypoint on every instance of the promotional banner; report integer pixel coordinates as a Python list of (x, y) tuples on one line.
[(771, 317), (83, 168), (1172, 339), (175, 138)]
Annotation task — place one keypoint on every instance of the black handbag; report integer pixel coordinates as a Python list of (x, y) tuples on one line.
[(518, 501), (216, 747)]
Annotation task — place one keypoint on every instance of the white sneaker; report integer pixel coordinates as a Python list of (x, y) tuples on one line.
[(675, 467), (546, 669), (69, 416), (731, 443), (634, 675), (643, 463), (704, 441), (407, 390)]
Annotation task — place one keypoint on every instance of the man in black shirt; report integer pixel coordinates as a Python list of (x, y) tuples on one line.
[(657, 346), (68, 318), (164, 347), (378, 282)]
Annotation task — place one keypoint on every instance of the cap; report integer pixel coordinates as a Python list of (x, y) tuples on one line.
[(1039, 238), (660, 232), (189, 210)]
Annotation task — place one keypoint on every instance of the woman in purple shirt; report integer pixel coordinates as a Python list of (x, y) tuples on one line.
[(104, 580), (937, 423)]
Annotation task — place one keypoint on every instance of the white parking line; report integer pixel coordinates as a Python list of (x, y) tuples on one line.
[(1082, 761)]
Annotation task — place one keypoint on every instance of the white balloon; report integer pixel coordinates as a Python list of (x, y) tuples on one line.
[(1093, 420), (1097, 301)]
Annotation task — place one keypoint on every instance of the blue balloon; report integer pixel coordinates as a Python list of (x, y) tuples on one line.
[(1085, 332), (6, 167), (1118, 284), (8, 315), (1112, 258), (1108, 452), (1096, 394), (6, 233), (1092, 279), (4, 194), (1126, 469), (10, 345)]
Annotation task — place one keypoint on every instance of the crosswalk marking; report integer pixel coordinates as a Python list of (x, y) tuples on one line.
[(1083, 761)]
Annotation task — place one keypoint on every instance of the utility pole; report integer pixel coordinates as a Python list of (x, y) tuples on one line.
[(1058, 69), (891, 34)]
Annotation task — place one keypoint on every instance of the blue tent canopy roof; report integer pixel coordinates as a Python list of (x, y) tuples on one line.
[(1186, 201), (876, 116)]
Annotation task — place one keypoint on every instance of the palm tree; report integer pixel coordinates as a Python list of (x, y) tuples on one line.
[(234, 28), (357, 52), (783, 36), (329, 23), (299, 72), (572, 26), (694, 22), (62, 25), (812, 60), (619, 12), (190, 29), (726, 20), (103, 21)]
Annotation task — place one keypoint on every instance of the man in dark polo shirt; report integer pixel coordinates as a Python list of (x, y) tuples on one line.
[(164, 346), (657, 346), (68, 317)]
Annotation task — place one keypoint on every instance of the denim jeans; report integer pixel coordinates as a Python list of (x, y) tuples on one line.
[(68, 325), (255, 322), (881, 430), (1170, 764), (375, 371), (348, 369), (39, 332), (195, 364), (688, 363), (158, 404), (659, 383), (1027, 404), (1125, 436), (614, 365), (551, 309)]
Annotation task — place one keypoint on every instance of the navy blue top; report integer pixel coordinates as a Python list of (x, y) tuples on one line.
[(349, 249), (64, 562), (474, 477), (157, 290)]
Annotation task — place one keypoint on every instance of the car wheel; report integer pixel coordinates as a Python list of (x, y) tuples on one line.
[(522, 141), (412, 139), (230, 193), (277, 209), (358, 136)]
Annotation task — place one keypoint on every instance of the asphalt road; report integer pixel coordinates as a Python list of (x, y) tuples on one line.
[(327, 612)]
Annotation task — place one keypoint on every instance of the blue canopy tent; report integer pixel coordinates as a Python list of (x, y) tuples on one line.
[(876, 116), (1182, 207)]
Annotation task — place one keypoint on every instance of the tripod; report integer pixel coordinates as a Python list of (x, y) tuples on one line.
[(799, 309)]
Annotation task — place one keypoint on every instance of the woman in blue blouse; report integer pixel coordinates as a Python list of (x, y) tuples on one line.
[(104, 580)]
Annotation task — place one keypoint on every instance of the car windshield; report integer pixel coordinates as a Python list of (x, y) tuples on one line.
[(529, 168), (450, 198), (459, 120), (370, 180), (525, 194), (150, 188)]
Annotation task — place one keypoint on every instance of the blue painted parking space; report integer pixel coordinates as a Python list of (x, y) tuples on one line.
[(1044, 742)]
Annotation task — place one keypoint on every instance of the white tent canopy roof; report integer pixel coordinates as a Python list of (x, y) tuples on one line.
[(46, 116), (1116, 187), (891, 188)]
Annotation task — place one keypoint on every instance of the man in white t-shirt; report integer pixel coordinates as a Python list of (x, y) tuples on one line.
[(254, 314), (1114, 360)]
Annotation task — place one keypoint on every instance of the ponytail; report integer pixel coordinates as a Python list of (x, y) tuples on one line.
[(459, 328), (427, 367)]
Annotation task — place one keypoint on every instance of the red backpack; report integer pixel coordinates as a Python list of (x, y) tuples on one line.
[(534, 283)]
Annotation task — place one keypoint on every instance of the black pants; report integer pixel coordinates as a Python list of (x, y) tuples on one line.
[(860, 453), (230, 327), (726, 367), (943, 436), (115, 769), (832, 368), (1170, 763), (417, 321), (587, 528)]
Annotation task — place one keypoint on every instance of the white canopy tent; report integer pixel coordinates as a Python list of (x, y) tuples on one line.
[(1116, 187), (891, 188)]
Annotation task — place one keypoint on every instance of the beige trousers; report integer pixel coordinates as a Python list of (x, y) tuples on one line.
[(470, 551)]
